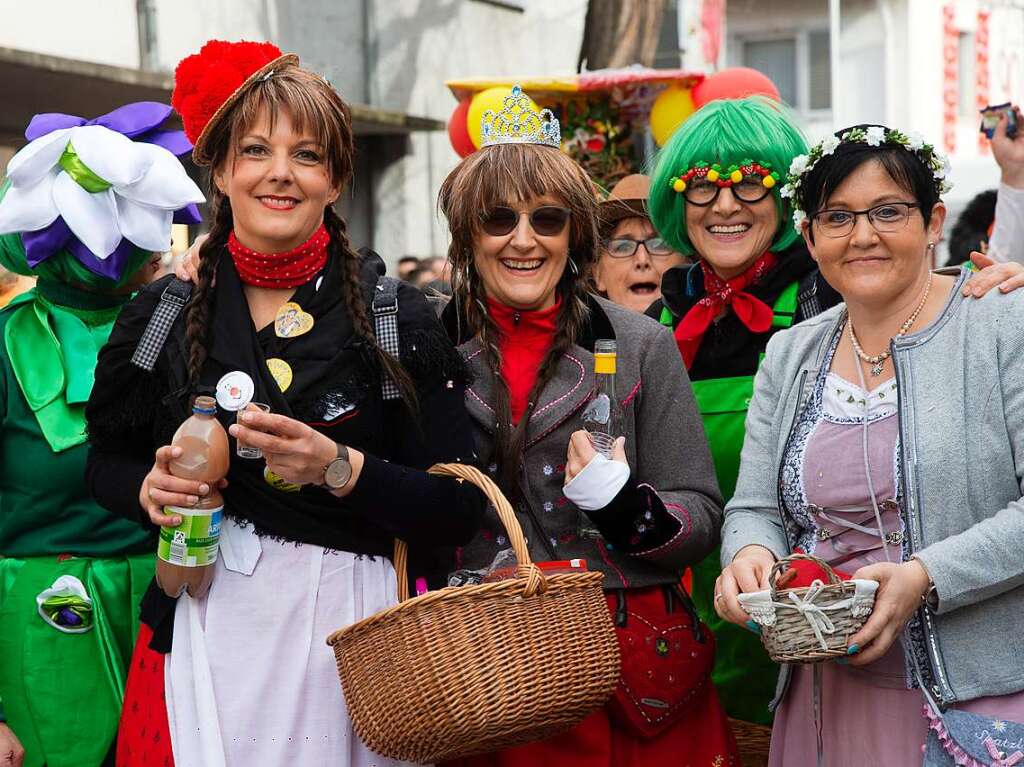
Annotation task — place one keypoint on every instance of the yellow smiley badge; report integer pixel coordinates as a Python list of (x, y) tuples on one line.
[(291, 321), (281, 371), (279, 484)]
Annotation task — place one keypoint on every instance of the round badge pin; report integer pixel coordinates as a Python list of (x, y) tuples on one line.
[(281, 371), (290, 321), (235, 390)]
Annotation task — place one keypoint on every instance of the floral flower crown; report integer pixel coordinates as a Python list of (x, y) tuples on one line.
[(734, 174), (875, 135)]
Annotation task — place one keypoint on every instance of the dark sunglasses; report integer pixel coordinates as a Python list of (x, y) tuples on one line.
[(547, 220)]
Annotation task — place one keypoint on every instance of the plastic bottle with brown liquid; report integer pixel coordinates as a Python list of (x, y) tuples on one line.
[(186, 554)]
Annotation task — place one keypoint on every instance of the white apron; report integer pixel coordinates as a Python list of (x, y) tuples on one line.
[(250, 679)]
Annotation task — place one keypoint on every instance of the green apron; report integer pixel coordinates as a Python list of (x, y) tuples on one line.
[(58, 686), (743, 674)]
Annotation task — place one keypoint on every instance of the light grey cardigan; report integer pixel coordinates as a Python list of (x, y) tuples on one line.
[(961, 421)]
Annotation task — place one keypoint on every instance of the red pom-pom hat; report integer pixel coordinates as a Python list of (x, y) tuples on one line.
[(207, 84)]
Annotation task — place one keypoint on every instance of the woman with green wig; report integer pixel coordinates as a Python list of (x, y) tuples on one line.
[(715, 196), (86, 208)]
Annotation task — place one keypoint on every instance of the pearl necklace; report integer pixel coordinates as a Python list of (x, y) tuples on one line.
[(878, 360)]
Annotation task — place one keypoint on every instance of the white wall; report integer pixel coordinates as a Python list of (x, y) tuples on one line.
[(100, 31)]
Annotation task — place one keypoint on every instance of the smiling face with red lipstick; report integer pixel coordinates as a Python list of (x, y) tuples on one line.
[(279, 183)]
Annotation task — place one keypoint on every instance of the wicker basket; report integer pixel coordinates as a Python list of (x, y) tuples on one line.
[(810, 624), (473, 669), (753, 741)]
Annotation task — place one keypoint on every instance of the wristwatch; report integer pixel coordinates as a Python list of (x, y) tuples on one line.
[(338, 472)]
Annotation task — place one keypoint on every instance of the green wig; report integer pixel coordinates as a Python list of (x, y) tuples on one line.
[(726, 131)]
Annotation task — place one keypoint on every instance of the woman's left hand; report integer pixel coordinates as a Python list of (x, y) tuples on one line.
[(900, 590), (295, 452), (581, 451), (1006, 276)]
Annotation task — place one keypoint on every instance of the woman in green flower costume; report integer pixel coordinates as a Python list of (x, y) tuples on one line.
[(84, 208)]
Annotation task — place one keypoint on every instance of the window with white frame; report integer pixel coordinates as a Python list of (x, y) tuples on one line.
[(797, 61)]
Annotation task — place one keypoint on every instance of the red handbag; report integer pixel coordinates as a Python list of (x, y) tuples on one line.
[(667, 656)]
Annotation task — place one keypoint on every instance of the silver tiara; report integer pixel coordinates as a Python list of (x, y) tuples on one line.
[(519, 122)]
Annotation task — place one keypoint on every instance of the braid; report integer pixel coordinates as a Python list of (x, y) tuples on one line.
[(197, 316), (355, 300)]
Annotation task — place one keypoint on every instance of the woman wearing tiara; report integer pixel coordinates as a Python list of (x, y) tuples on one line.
[(523, 221), (307, 530)]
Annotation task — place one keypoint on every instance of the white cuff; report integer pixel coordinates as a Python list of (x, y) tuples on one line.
[(598, 483)]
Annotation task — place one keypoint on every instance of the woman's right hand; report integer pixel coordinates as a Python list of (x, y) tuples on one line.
[(188, 268), (161, 488), (748, 572), (12, 753)]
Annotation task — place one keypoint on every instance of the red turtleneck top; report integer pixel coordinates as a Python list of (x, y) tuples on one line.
[(526, 337)]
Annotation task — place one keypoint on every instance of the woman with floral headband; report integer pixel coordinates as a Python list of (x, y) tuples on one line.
[(281, 313), (884, 437), (524, 227), (715, 196), (86, 209)]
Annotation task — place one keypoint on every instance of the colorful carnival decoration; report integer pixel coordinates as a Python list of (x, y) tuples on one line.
[(734, 174), (603, 114), (458, 129), (669, 111), (734, 83)]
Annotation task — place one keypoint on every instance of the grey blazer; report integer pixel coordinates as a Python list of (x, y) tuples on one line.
[(961, 411), (665, 447)]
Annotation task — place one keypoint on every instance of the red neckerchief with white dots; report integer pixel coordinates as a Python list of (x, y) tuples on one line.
[(280, 270)]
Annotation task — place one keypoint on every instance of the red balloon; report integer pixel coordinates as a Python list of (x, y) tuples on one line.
[(458, 133), (734, 83)]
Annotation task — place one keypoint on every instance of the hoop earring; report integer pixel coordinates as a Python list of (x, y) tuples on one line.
[(575, 269)]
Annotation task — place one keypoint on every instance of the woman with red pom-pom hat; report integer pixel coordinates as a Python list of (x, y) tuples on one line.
[(282, 313)]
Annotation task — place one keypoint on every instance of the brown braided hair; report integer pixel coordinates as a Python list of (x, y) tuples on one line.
[(510, 174), (314, 107)]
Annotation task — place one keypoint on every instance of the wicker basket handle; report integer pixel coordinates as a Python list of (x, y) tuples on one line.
[(783, 563), (505, 514)]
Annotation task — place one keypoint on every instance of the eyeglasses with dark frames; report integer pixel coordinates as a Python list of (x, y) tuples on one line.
[(547, 220), (886, 218), (701, 192), (624, 247)]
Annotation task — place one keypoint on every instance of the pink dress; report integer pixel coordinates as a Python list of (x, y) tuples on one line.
[(869, 715)]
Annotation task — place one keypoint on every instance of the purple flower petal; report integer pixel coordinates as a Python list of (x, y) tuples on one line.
[(48, 122), (187, 215), (135, 118), (112, 267), (42, 244), (173, 141)]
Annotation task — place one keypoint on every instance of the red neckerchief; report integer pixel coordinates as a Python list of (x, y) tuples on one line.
[(280, 270), (526, 337), (754, 313)]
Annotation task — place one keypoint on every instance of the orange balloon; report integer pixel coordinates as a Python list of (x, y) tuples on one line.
[(734, 83), (458, 129)]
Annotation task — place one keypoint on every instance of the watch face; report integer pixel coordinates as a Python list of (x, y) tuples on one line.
[(338, 473)]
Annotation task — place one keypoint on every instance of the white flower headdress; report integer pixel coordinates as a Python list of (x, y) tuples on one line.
[(874, 135)]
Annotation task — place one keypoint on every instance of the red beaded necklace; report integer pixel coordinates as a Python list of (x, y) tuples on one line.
[(280, 270)]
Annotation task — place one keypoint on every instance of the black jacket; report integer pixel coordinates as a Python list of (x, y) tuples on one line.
[(728, 348)]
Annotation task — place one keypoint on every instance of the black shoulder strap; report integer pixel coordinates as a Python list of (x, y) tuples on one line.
[(172, 301), (807, 298), (385, 326)]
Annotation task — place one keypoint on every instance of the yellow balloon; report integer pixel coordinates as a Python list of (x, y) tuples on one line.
[(669, 111), (492, 99)]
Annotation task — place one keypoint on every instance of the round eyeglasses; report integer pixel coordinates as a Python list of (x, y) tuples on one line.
[(623, 247), (750, 189), (885, 218), (547, 220)]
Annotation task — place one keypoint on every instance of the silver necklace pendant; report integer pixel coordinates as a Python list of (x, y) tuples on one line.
[(877, 369)]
